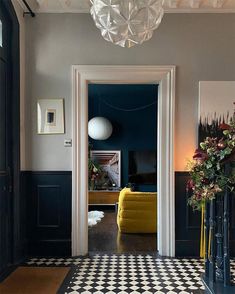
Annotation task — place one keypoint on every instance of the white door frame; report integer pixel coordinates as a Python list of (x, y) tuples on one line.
[(164, 76)]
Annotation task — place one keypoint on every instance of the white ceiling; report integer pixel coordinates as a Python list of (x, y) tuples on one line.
[(178, 6)]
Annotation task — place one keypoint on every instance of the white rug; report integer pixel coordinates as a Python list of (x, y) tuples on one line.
[(94, 217)]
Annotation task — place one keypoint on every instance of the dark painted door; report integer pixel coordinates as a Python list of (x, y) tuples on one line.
[(5, 143)]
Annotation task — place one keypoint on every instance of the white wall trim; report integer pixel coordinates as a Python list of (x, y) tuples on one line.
[(167, 10), (164, 76), (170, 6)]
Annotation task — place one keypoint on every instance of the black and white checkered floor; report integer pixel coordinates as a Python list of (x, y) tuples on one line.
[(129, 273)]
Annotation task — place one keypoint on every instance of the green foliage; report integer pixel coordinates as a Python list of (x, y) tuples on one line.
[(93, 168), (207, 170)]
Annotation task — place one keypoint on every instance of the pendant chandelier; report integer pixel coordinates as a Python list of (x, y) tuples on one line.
[(127, 22), (99, 128)]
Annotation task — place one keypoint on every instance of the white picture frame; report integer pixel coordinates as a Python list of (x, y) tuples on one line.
[(50, 116), (216, 106), (216, 101), (109, 160)]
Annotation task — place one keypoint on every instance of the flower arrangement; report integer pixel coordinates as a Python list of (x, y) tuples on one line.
[(93, 169), (207, 176), (93, 173)]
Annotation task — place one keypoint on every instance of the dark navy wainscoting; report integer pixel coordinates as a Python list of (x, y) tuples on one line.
[(49, 200), (188, 222), (135, 130)]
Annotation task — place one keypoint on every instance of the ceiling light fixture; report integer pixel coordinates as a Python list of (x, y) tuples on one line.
[(99, 128), (127, 22)]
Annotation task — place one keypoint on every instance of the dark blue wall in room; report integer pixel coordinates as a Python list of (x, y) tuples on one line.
[(132, 130)]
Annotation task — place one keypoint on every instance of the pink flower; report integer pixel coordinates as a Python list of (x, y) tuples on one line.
[(221, 145), (198, 196), (200, 155), (205, 181), (224, 126), (190, 185)]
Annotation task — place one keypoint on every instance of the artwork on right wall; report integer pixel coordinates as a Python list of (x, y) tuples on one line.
[(216, 105)]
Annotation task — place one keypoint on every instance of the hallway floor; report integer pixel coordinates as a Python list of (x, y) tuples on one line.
[(105, 237), (128, 273), (126, 264)]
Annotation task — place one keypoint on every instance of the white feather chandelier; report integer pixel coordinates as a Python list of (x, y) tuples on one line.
[(127, 22)]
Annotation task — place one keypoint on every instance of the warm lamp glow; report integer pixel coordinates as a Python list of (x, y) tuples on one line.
[(182, 158)]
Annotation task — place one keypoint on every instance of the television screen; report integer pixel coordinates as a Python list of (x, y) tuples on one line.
[(143, 167)]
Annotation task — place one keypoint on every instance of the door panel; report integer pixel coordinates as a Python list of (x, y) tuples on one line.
[(5, 146), (2, 116), (5, 258)]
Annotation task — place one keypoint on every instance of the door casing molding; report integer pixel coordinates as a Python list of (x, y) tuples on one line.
[(164, 76)]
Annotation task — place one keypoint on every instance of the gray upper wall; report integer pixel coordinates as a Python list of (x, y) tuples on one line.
[(202, 46)]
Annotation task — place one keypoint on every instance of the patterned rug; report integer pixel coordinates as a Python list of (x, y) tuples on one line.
[(129, 273)]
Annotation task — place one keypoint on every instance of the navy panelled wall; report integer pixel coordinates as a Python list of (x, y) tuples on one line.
[(132, 130), (49, 197), (187, 222), (48, 219)]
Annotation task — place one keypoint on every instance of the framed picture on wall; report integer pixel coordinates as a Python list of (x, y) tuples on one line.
[(106, 169), (50, 116), (216, 106)]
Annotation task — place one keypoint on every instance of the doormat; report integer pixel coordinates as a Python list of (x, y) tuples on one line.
[(36, 280)]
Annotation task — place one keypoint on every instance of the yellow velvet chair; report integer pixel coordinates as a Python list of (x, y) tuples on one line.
[(137, 212)]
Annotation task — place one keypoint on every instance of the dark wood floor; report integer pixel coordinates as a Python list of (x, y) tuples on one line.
[(105, 237)]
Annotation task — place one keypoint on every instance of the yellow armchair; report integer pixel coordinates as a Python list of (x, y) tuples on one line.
[(137, 212)]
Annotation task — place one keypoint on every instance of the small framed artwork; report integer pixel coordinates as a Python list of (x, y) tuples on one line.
[(108, 164), (50, 116)]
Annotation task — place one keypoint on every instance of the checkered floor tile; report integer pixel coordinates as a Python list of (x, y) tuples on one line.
[(129, 273)]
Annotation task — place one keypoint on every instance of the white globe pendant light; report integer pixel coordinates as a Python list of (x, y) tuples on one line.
[(99, 128)]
